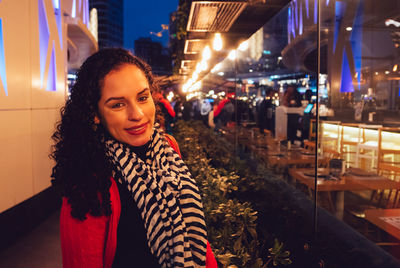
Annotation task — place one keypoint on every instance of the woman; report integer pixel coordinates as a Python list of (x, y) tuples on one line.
[(129, 200)]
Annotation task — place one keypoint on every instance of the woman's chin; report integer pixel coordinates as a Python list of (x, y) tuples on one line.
[(139, 141)]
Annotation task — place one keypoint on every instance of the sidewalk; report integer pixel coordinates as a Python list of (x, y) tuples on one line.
[(39, 249)]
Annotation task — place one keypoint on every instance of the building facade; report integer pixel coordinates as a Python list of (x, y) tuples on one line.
[(155, 55), (38, 41), (110, 22)]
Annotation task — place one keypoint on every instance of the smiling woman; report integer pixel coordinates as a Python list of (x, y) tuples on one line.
[(129, 200), (126, 107)]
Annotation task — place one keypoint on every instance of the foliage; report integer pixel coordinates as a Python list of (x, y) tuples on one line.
[(232, 224), (177, 43)]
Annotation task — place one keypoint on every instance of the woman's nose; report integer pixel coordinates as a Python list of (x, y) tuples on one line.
[(135, 112)]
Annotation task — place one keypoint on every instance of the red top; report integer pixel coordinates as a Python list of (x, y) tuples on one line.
[(92, 243), (220, 106), (168, 106)]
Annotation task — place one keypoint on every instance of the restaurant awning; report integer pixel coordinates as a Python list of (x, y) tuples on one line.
[(236, 21)]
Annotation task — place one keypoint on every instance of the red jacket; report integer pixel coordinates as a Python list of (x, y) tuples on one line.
[(92, 243)]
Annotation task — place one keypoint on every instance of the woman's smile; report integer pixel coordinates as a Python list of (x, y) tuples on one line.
[(137, 130)]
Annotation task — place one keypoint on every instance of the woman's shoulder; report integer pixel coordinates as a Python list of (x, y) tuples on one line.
[(66, 207), (173, 143)]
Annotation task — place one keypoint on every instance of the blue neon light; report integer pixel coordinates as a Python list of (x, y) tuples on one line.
[(307, 9), (56, 4), (289, 23), (73, 11), (44, 35), (57, 14), (3, 75), (356, 42), (315, 11), (86, 19), (292, 24), (346, 84), (52, 77), (295, 13), (301, 20)]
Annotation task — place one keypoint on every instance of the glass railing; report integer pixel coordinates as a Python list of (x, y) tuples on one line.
[(316, 100)]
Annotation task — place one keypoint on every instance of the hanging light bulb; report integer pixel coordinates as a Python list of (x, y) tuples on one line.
[(217, 43), (206, 53)]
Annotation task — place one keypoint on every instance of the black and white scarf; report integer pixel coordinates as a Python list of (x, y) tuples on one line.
[(168, 200)]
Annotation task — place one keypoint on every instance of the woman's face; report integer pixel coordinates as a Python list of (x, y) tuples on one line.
[(126, 107)]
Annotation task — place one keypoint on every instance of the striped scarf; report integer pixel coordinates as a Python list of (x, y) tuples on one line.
[(168, 200)]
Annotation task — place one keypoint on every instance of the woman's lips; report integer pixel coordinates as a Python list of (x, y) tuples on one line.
[(137, 130)]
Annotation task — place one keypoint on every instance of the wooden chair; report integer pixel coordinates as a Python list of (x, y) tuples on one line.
[(367, 148), (348, 142), (326, 155), (389, 198), (330, 135), (389, 146), (310, 144)]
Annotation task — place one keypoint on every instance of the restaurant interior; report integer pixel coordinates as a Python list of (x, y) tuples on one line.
[(338, 139)]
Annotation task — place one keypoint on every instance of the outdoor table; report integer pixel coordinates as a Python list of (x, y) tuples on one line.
[(386, 219), (292, 157), (354, 180)]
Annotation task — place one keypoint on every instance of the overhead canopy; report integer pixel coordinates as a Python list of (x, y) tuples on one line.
[(235, 20)]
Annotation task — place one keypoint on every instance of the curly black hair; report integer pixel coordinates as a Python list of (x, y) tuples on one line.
[(82, 171)]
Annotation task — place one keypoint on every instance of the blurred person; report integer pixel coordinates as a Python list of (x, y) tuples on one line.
[(308, 95), (205, 110), (128, 198), (178, 108), (167, 111), (265, 112), (291, 97), (224, 111), (187, 110)]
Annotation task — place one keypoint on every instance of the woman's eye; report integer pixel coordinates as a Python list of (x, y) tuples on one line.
[(117, 105), (143, 98)]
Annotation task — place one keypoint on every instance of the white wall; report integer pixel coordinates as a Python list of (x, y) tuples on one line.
[(28, 112)]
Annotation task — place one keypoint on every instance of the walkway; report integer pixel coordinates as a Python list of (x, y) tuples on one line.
[(39, 249)]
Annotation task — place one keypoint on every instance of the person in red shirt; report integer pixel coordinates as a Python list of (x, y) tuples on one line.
[(167, 111), (128, 198)]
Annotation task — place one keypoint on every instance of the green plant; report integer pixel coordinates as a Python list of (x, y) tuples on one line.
[(222, 177)]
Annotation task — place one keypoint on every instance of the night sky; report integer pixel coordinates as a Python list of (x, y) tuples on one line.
[(145, 16)]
